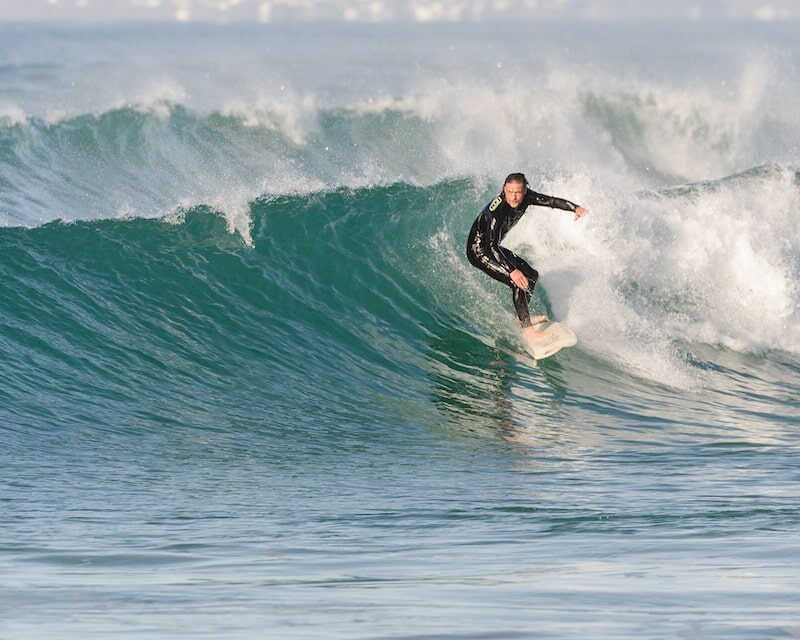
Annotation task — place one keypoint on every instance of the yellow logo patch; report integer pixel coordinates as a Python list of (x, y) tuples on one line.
[(495, 203)]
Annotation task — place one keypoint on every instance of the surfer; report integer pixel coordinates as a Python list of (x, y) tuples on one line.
[(493, 223)]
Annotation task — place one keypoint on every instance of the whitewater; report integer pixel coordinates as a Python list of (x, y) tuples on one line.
[(251, 387)]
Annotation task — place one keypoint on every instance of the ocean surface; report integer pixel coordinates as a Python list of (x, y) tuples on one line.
[(250, 386)]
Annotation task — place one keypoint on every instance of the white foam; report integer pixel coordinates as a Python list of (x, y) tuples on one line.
[(235, 206), (157, 98), (482, 129), (630, 129), (11, 115), (286, 111), (644, 273), (690, 130)]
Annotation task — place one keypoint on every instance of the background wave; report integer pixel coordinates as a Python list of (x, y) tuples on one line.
[(146, 132)]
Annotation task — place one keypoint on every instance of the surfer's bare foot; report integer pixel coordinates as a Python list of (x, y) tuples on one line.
[(530, 333), (538, 319)]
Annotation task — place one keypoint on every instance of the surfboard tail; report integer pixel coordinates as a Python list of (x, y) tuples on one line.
[(549, 338)]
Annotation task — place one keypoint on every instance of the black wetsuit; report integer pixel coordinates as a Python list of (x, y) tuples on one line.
[(484, 250)]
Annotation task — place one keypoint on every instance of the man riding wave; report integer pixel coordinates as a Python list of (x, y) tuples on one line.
[(489, 229)]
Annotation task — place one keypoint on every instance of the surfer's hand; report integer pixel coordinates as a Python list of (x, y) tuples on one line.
[(519, 279), (580, 212)]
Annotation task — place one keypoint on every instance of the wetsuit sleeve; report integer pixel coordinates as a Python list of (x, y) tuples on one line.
[(541, 200)]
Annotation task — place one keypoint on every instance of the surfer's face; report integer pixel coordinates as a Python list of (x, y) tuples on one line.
[(514, 192)]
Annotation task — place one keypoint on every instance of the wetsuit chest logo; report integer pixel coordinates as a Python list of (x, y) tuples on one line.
[(495, 203)]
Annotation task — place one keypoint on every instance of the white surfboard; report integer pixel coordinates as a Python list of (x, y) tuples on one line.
[(550, 338)]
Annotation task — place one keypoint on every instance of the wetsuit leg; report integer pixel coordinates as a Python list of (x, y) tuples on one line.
[(520, 297)]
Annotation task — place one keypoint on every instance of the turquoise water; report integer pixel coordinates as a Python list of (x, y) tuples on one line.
[(250, 386)]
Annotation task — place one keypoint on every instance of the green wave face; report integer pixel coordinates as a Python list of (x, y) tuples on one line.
[(128, 325)]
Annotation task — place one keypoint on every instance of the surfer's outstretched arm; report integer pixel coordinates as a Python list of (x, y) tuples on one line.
[(541, 200)]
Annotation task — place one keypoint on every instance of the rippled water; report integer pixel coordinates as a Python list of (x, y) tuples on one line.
[(250, 386)]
